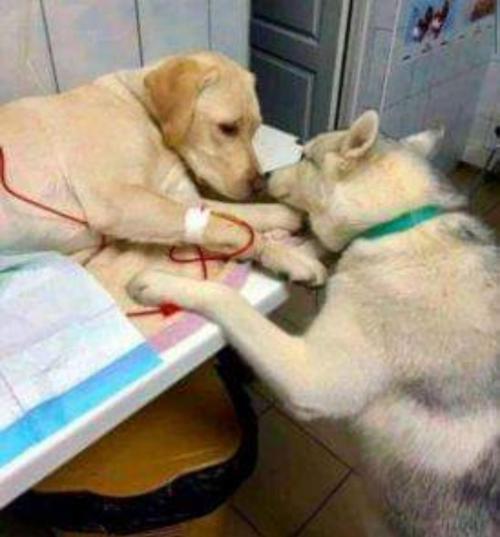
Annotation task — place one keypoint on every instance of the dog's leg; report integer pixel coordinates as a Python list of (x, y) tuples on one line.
[(315, 375), (138, 214), (278, 357), (261, 216)]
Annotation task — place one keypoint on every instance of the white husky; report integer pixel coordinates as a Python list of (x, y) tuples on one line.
[(408, 341)]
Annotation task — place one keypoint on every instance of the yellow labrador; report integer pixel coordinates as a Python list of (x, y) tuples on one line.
[(125, 154)]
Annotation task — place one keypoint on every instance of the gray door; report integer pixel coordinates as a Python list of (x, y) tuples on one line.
[(296, 48)]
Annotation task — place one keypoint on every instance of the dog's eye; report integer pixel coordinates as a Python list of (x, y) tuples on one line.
[(229, 129)]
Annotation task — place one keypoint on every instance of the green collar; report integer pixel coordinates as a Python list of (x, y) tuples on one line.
[(401, 223)]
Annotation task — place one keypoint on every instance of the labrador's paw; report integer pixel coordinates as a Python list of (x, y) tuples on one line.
[(292, 261), (280, 217)]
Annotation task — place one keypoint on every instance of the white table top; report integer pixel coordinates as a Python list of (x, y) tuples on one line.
[(263, 292)]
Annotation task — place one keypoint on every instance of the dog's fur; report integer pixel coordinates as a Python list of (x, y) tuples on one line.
[(123, 152), (408, 341)]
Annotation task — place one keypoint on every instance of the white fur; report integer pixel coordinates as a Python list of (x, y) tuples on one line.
[(417, 308)]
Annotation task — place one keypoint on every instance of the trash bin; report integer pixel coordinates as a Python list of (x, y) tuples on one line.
[(167, 470)]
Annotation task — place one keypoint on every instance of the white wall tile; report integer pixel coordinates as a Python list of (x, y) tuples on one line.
[(171, 26), (91, 37), (414, 114), (25, 67), (487, 115), (421, 75), (490, 91), (475, 154), (371, 93), (384, 14), (229, 25), (393, 120), (400, 82)]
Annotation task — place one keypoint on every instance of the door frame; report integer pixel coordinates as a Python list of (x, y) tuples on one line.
[(348, 11), (356, 41)]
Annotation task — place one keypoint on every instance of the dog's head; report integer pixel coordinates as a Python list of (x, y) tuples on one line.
[(353, 179), (208, 112)]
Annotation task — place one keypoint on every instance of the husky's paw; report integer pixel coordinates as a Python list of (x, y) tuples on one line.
[(294, 263), (153, 287), (308, 271)]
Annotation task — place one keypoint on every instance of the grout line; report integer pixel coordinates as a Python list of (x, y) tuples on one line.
[(308, 433), (262, 414), (247, 520), (209, 24), (360, 63), (138, 27), (321, 505), (292, 325), (266, 398), (48, 40)]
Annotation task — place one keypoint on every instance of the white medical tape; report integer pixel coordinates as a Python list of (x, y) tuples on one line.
[(195, 223)]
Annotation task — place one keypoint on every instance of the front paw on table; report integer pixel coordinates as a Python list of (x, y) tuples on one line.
[(281, 217), (153, 287)]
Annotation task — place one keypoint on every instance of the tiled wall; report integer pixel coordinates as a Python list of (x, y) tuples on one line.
[(51, 45), (416, 84), (481, 136), (487, 117)]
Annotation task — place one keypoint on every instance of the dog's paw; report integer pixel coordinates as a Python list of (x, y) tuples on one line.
[(280, 217), (294, 263), (153, 287), (309, 271)]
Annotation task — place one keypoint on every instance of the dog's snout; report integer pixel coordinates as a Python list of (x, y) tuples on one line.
[(257, 182), (267, 176)]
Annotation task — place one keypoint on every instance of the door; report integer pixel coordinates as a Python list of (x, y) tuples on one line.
[(297, 54)]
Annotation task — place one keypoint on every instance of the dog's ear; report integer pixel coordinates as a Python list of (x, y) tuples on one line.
[(174, 88), (425, 143), (361, 136)]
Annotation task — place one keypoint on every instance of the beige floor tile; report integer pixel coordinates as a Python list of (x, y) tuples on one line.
[(237, 526), (293, 476), (338, 437), (340, 517), (259, 402), (260, 387), (301, 307), (288, 326)]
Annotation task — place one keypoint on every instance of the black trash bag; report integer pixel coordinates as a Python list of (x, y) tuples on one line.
[(190, 496)]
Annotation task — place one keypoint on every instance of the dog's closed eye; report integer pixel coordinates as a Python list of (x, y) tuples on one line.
[(229, 129)]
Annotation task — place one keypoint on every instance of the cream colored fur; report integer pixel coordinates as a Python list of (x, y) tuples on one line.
[(406, 315), (128, 153)]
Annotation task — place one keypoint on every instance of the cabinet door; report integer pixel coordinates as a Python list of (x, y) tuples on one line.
[(294, 51)]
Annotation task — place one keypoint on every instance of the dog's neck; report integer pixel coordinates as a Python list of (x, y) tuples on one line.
[(131, 85), (417, 242), (401, 223)]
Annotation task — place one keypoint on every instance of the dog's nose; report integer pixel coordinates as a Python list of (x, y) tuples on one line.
[(267, 176), (257, 183)]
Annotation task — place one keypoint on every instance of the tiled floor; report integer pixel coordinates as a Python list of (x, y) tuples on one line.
[(304, 484)]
